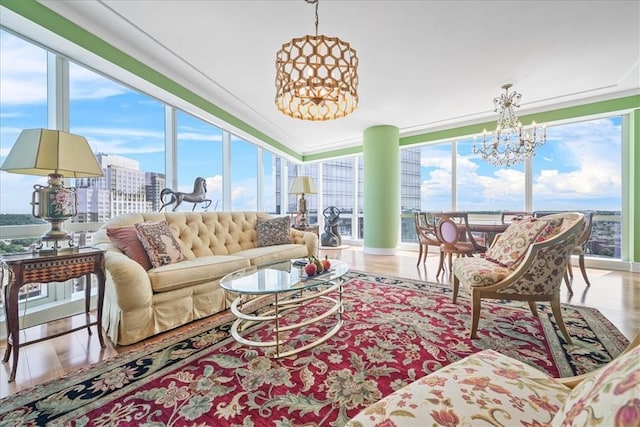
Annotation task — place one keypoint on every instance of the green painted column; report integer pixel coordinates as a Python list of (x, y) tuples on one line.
[(381, 152)]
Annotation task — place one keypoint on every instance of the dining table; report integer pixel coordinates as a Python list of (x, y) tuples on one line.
[(488, 228)]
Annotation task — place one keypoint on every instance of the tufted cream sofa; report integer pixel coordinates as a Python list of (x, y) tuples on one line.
[(140, 303)]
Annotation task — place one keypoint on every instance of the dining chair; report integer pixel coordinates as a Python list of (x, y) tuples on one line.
[(455, 237), (581, 246), (426, 223), (525, 263)]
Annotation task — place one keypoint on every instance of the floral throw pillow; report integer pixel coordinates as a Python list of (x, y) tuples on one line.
[(273, 231), (126, 239), (610, 398), (158, 241), (514, 242)]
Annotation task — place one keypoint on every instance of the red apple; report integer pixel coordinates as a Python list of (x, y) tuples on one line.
[(310, 269), (326, 263)]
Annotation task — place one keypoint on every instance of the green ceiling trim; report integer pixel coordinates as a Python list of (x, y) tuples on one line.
[(342, 152), (46, 18), (600, 107)]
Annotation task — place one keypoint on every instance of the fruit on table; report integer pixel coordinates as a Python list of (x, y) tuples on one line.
[(326, 263), (318, 264), (311, 269)]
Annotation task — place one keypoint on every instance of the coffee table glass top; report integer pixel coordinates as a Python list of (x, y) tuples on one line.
[(279, 277)]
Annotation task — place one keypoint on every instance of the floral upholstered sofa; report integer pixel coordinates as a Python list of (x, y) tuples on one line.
[(163, 269), (488, 388)]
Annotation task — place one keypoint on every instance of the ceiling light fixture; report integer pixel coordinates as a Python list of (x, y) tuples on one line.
[(316, 77), (509, 143)]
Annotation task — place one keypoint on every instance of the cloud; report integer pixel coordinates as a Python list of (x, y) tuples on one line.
[(580, 161), (24, 71)]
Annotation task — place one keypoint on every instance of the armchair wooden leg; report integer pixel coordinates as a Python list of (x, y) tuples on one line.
[(456, 287), (570, 268), (557, 313), (475, 313), (582, 269), (420, 255), (567, 281), (441, 265), (532, 307)]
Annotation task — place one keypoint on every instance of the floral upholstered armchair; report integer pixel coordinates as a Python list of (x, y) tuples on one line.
[(488, 388), (526, 263)]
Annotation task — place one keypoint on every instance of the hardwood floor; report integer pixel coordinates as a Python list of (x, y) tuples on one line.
[(616, 294)]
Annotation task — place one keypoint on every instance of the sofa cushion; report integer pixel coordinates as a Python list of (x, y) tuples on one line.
[(476, 271), (485, 387), (194, 271), (514, 242), (126, 239), (610, 398), (273, 231), (268, 255), (159, 242)]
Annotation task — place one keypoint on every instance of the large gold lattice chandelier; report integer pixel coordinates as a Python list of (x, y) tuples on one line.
[(510, 143), (316, 77)]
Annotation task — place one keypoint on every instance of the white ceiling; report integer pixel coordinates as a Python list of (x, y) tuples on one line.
[(424, 65)]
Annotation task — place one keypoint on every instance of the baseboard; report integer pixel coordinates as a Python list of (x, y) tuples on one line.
[(379, 251)]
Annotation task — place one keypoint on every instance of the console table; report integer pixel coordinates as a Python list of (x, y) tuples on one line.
[(46, 267)]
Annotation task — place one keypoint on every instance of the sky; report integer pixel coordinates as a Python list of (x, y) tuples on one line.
[(578, 168)]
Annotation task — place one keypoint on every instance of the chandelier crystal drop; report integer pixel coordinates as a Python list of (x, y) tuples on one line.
[(510, 143), (316, 77)]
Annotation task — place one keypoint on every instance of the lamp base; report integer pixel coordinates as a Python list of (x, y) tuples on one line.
[(303, 222)]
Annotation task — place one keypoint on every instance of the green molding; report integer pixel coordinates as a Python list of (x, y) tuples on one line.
[(349, 151), (46, 18), (600, 107)]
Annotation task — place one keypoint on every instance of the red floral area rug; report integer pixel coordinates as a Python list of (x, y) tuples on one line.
[(394, 332)]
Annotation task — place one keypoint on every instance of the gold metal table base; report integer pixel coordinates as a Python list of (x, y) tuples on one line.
[(277, 313)]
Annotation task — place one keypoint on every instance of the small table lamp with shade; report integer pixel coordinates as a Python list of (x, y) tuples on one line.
[(302, 185), (57, 154)]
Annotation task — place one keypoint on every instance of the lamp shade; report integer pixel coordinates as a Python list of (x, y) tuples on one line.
[(302, 185), (45, 152)]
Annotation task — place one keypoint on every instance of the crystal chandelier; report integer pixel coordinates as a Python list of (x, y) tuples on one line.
[(316, 77), (509, 143)]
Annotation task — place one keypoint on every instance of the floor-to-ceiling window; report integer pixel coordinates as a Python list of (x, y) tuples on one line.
[(244, 178), (125, 130), (23, 105), (269, 182), (199, 155), (580, 168), (337, 193), (484, 188)]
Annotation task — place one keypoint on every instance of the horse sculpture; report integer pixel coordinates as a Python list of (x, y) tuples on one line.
[(177, 197)]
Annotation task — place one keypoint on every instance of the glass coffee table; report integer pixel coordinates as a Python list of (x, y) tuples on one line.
[(285, 283)]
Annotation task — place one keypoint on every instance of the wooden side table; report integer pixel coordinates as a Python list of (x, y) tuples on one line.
[(43, 267)]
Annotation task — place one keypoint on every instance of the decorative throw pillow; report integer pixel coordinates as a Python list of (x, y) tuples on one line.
[(158, 241), (514, 242), (126, 239), (609, 398), (273, 231)]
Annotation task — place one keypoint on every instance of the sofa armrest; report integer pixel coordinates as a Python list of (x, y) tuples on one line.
[(130, 280), (307, 238)]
